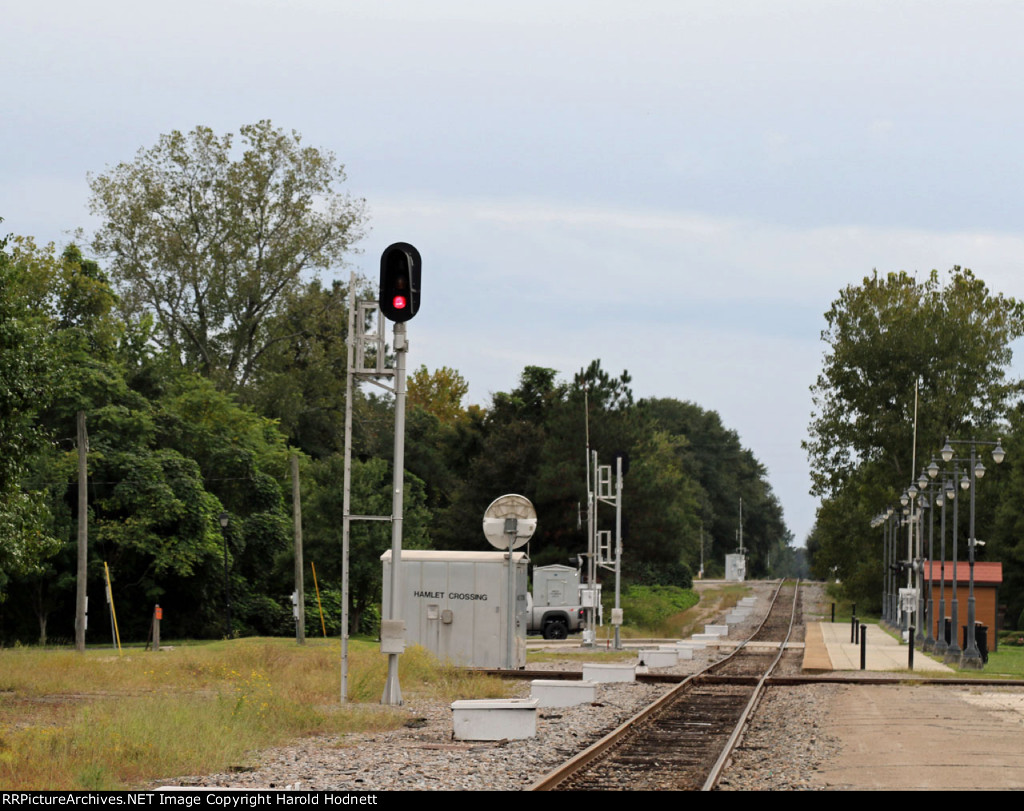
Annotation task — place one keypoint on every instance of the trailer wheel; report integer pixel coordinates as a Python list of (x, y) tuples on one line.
[(556, 629)]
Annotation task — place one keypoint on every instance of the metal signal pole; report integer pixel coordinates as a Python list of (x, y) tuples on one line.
[(392, 690)]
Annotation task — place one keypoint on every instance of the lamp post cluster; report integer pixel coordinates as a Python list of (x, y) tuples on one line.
[(900, 605)]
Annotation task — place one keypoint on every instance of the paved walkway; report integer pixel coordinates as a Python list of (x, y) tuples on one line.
[(828, 647), (907, 737)]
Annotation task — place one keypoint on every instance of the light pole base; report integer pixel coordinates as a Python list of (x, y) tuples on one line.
[(974, 662), (392, 690)]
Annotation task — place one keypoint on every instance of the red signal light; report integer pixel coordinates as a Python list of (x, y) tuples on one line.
[(399, 297)]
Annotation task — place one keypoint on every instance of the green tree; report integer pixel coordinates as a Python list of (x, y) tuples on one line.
[(371, 495), (439, 393), (884, 335), (952, 339), (725, 473), (214, 244), (27, 369), (301, 379)]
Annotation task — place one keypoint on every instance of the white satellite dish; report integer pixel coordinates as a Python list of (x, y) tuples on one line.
[(509, 520)]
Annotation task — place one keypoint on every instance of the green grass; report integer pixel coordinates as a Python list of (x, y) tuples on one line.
[(671, 612), (1007, 662), (653, 610), (102, 721), (844, 608)]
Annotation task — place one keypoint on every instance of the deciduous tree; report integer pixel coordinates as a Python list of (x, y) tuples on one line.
[(953, 338), (213, 242), (887, 333)]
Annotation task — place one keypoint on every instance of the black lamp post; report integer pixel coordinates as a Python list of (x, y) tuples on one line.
[(882, 521), (971, 657), (947, 492), (927, 602)]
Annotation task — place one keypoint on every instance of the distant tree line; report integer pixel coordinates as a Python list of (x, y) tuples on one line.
[(205, 349)]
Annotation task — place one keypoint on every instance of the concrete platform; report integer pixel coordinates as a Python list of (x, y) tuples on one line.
[(828, 648)]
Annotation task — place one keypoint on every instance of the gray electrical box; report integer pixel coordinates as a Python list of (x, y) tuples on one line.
[(556, 585), (455, 604), (736, 568)]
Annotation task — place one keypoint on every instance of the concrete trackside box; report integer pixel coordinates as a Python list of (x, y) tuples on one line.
[(455, 604)]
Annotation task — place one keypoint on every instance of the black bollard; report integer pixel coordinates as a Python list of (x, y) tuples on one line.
[(910, 651), (863, 647), (833, 612)]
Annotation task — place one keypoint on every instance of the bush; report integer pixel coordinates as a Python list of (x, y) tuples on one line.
[(651, 606), (660, 574)]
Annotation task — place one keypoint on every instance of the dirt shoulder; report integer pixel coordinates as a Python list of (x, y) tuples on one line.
[(908, 737)]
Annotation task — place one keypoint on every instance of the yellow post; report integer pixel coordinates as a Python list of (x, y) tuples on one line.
[(322, 625), (113, 613)]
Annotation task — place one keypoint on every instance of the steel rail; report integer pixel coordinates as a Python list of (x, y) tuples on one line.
[(755, 699), (598, 748)]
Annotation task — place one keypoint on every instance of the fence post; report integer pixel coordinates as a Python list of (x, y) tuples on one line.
[(158, 615)]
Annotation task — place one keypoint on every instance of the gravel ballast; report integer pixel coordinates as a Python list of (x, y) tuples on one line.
[(780, 751)]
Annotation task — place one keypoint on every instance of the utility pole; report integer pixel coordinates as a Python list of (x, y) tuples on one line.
[(81, 617), (300, 604)]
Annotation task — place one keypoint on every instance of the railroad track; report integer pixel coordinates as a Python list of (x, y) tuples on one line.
[(683, 741)]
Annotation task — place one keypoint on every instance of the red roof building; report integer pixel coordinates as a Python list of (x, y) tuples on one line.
[(988, 576)]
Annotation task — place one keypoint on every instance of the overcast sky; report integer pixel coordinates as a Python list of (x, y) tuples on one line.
[(679, 188)]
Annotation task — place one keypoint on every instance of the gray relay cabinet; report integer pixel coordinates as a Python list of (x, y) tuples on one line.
[(455, 604)]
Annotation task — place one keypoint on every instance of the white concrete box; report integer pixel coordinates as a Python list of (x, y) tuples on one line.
[(563, 693), (604, 673), (455, 604), (494, 719), (720, 630), (659, 658)]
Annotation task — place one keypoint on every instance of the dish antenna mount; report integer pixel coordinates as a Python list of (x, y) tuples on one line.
[(509, 522)]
